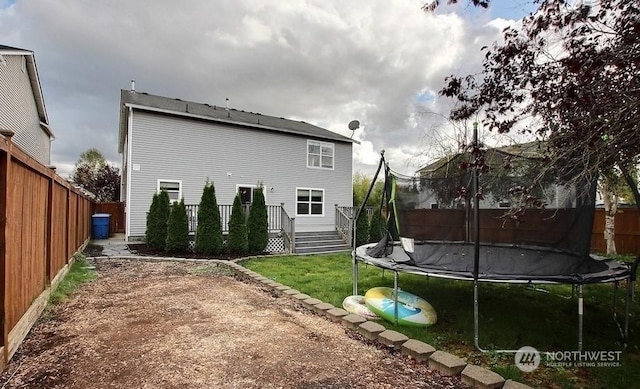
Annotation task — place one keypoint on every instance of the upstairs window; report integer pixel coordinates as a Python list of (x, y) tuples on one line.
[(172, 187), (319, 155)]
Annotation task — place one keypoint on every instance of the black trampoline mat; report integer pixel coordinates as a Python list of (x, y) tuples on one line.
[(498, 263)]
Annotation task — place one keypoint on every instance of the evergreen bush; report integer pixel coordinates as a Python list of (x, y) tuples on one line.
[(377, 229), (258, 224), (152, 215), (157, 218), (237, 242), (362, 228), (178, 228), (209, 230)]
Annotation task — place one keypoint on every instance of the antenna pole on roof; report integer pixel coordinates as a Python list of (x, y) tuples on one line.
[(227, 108)]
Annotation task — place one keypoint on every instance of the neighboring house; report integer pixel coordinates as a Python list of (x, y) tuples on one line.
[(22, 107), (446, 175), (178, 145)]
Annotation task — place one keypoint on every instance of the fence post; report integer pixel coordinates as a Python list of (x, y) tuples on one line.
[(5, 161), (49, 225), (67, 233)]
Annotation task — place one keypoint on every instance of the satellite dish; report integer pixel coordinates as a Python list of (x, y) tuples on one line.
[(354, 125)]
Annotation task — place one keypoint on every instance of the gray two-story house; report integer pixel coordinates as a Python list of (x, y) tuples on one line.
[(22, 109), (178, 145)]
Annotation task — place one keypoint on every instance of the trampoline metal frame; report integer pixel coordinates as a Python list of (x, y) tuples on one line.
[(630, 277), (622, 327)]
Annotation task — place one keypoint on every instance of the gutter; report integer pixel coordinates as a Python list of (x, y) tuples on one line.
[(233, 122)]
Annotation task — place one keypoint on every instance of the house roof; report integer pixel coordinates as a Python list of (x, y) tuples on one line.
[(532, 150), (34, 80), (218, 114)]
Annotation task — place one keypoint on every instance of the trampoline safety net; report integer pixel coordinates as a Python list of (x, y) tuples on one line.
[(532, 223)]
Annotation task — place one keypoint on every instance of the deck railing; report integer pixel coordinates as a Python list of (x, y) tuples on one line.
[(278, 221), (273, 217), (288, 229), (350, 211), (344, 223)]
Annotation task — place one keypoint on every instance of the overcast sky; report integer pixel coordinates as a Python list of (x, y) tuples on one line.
[(325, 62)]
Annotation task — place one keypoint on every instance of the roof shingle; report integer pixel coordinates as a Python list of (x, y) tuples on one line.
[(229, 116)]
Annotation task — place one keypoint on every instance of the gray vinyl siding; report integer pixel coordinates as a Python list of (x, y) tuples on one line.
[(18, 110), (192, 151)]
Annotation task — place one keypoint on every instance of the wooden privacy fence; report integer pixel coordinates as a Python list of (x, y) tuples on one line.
[(540, 228), (43, 222), (116, 210), (627, 231)]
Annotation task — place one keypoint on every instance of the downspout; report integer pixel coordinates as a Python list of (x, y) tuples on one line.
[(44, 126), (127, 204)]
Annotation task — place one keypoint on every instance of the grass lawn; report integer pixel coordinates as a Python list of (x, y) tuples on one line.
[(511, 316)]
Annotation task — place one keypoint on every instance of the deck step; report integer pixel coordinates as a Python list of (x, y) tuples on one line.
[(320, 242)]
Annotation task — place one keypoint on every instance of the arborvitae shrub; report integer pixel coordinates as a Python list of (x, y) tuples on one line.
[(151, 218), (209, 230), (157, 218), (377, 229), (237, 241), (362, 228), (258, 225), (178, 228)]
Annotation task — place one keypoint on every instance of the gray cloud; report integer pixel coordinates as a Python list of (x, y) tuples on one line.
[(325, 62)]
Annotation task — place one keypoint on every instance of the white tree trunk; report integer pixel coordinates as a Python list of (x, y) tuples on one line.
[(610, 200)]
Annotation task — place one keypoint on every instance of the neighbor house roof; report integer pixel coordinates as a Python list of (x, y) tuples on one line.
[(218, 114), (32, 71), (531, 150)]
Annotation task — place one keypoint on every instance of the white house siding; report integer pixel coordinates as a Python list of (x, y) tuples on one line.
[(171, 148), (18, 111)]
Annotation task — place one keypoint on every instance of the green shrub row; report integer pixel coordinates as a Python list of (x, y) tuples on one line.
[(168, 226)]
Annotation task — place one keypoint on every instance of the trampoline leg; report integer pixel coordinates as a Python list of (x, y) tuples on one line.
[(615, 300), (623, 329), (354, 275), (630, 288), (476, 309), (395, 289), (580, 316)]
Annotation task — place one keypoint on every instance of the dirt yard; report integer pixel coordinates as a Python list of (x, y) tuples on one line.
[(184, 325)]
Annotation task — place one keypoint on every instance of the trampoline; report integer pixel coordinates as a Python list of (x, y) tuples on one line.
[(460, 218)]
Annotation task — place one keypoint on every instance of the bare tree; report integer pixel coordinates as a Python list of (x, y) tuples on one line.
[(572, 74)]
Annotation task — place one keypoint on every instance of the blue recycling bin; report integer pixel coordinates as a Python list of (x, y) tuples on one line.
[(100, 225)]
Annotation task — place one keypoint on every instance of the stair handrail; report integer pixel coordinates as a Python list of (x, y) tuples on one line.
[(344, 223), (288, 229)]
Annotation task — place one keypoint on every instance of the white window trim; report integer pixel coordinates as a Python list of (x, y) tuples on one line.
[(310, 189), (333, 154), (253, 186), (179, 182)]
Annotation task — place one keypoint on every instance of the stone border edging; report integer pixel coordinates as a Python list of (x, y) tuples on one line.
[(445, 363)]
